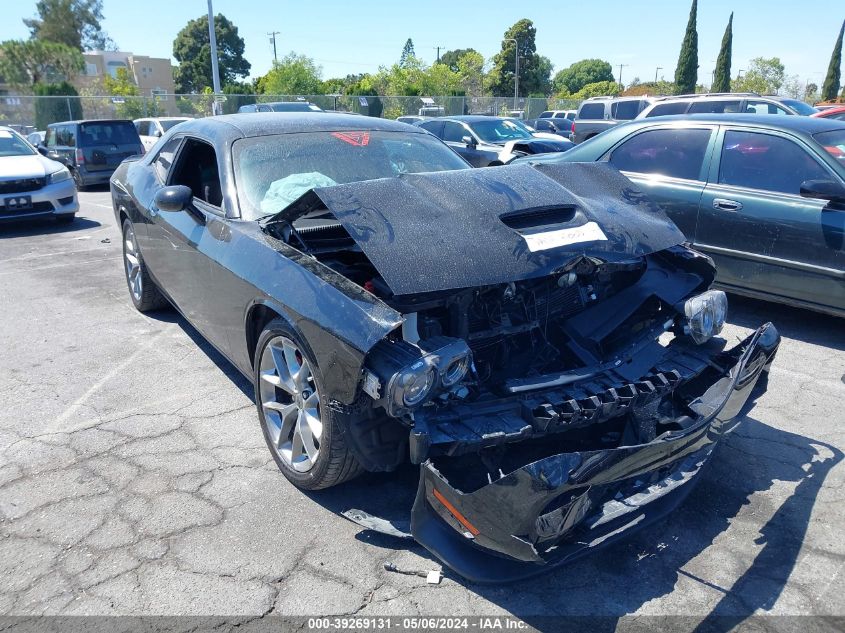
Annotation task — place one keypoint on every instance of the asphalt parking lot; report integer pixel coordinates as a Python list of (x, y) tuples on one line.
[(134, 478)]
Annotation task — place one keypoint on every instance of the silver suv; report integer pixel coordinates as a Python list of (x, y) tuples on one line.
[(724, 103), (597, 114)]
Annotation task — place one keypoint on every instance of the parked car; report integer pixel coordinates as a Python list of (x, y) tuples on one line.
[(563, 140), (561, 126), (36, 138), (496, 327), (763, 195), (32, 186), (597, 114), (486, 141), (412, 119), (726, 103), (150, 130), (558, 114), (281, 106), (837, 113), (91, 149)]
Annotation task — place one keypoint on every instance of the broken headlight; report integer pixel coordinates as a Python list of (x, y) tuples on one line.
[(705, 315), (410, 373)]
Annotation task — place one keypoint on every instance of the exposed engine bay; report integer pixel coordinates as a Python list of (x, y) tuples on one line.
[(472, 370)]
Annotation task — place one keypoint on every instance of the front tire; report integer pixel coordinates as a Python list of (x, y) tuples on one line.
[(77, 179), (144, 293), (303, 434)]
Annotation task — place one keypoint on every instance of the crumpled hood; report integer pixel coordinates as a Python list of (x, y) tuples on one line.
[(474, 227)]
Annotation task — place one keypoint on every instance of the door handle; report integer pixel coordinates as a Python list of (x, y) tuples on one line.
[(726, 205)]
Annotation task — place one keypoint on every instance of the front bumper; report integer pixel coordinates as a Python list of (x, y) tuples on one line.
[(49, 201), (553, 510)]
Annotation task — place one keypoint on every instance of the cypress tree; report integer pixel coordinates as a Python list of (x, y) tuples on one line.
[(831, 81), (686, 72), (722, 76)]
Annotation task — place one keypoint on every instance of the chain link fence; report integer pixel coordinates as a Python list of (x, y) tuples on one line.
[(29, 113)]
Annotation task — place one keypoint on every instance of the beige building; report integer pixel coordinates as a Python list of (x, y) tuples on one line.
[(152, 75)]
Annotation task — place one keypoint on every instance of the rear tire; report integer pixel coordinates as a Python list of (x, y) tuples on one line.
[(143, 291), (303, 433)]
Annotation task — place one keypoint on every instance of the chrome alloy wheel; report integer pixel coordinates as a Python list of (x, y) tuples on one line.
[(132, 262), (290, 403)]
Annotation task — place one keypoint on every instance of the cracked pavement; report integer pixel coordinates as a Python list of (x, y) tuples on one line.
[(134, 478)]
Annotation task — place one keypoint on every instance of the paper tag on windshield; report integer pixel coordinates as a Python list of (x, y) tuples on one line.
[(589, 232)]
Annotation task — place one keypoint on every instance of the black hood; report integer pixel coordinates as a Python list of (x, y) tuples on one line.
[(475, 227)]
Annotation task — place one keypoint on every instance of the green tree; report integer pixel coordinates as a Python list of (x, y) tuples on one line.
[(192, 49), (599, 89), (407, 53), (764, 76), (127, 100), (722, 75), (238, 93), (831, 81), (53, 110), (292, 75), (28, 62), (470, 70), (74, 23), (587, 71), (534, 72), (686, 72), (450, 58)]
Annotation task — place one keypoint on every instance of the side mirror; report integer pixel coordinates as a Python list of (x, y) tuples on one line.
[(469, 141), (174, 198), (41, 149), (156, 133), (829, 190)]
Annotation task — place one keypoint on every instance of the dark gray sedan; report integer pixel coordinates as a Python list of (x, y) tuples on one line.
[(556, 373)]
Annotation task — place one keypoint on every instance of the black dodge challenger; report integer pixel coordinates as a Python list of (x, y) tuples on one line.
[(537, 338)]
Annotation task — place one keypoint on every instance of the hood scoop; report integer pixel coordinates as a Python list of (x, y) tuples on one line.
[(475, 227)]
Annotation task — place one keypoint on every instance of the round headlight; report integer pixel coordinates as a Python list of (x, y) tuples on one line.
[(455, 371), (705, 315), (415, 384)]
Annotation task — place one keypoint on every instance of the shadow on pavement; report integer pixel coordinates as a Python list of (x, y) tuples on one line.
[(46, 226)]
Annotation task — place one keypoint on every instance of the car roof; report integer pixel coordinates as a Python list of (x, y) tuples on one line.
[(229, 127), (77, 121), (472, 118), (810, 125)]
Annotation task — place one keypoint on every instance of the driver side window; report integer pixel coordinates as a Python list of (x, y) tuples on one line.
[(196, 168), (164, 160), (454, 132)]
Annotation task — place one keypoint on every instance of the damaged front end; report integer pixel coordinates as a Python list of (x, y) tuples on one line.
[(551, 507), (557, 374)]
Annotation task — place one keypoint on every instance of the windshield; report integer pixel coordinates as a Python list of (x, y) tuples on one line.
[(499, 131), (833, 143), (108, 133), (800, 107), (11, 144), (273, 171), (166, 124)]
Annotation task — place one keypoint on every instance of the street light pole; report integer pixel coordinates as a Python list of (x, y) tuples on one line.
[(215, 70), (516, 71), (655, 72)]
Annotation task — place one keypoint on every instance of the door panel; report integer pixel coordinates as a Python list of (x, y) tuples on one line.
[(670, 164), (762, 234)]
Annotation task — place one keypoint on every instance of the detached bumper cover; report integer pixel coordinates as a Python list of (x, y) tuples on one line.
[(555, 509)]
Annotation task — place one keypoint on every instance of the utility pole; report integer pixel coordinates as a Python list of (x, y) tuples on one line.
[(621, 66), (655, 72), (438, 53), (516, 71), (273, 35), (215, 70)]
